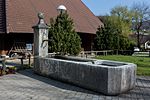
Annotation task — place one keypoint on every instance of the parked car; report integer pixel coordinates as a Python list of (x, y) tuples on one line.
[(136, 49)]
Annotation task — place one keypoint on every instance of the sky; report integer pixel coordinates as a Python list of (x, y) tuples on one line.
[(102, 7)]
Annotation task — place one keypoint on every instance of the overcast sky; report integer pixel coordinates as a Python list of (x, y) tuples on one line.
[(102, 7)]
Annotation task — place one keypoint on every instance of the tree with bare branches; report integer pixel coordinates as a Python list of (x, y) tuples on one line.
[(140, 14)]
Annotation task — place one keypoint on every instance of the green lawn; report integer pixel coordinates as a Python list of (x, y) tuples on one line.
[(143, 63)]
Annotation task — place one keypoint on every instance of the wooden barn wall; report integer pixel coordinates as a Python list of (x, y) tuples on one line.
[(7, 40), (87, 41)]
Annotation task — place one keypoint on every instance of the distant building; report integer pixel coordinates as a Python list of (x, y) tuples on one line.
[(147, 45), (18, 16), (144, 39)]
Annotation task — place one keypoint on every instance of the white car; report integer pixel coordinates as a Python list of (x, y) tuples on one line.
[(136, 49)]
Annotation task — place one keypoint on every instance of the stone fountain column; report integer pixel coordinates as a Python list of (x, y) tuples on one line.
[(40, 37), (40, 40)]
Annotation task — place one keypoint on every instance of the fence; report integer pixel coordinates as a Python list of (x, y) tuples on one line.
[(105, 53)]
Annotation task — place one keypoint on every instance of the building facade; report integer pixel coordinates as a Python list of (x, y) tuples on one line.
[(18, 16)]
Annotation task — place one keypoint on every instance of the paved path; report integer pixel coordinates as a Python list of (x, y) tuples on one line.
[(28, 86)]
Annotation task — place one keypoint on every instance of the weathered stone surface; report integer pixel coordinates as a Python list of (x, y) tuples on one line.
[(40, 37), (110, 80)]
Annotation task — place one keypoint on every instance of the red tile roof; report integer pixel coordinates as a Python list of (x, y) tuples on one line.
[(21, 15), (2, 17)]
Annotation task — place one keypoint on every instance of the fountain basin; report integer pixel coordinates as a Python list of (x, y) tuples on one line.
[(107, 77)]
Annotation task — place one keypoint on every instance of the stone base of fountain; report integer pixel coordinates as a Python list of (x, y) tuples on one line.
[(107, 77)]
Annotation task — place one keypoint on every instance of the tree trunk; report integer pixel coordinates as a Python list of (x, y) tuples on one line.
[(138, 39)]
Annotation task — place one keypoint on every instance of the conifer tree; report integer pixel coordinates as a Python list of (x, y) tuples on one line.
[(62, 35), (112, 35)]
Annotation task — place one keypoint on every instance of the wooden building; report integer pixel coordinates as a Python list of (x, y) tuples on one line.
[(18, 16)]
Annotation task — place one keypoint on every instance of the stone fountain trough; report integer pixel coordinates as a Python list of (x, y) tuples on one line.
[(107, 77)]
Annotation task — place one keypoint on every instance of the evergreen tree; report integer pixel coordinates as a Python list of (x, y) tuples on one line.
[(112, 35), (62, 35)]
